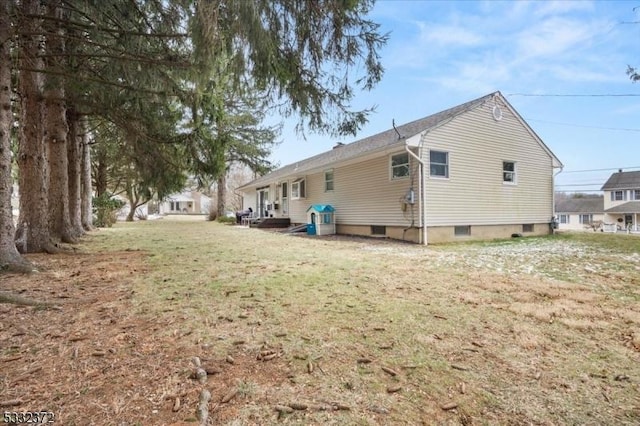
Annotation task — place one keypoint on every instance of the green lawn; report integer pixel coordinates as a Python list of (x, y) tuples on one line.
[(527, 331)]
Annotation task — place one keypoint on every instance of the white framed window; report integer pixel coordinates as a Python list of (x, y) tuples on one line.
[(438, 164), (563, 218), (328, 180), (400, 166), (635, 194), (509, 172), (298, 189), (618, 195), (586, 219)]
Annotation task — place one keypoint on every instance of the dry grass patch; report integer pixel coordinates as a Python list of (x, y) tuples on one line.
[(357, 331)]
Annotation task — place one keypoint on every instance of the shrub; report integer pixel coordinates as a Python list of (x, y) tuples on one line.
[(227, 219), (105, 210)]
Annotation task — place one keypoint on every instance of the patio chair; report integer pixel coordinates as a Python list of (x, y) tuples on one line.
[(246, 220)]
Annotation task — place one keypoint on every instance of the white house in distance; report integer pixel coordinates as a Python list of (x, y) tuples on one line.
[(474, 171), (580, 213), (622, 201), (187, 202)]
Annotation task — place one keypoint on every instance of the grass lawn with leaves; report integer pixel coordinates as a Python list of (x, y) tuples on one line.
[(346, 331)]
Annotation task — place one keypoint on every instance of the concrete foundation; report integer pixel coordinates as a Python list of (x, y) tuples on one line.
[(446, 234)]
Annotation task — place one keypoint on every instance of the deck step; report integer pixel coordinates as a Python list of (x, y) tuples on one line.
[(271, 222)]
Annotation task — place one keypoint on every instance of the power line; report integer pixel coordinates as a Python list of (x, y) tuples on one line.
[(600, 170), (568, 95)]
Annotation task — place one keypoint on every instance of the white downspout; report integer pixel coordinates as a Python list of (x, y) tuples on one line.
[(423, 197), (553, 194)]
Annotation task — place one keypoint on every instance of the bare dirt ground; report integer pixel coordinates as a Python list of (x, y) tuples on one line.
[(495, 331), (95, 362)]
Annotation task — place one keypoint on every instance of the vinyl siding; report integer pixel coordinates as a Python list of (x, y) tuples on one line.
[(574, 221), (628, 196), (474, 193), (363, 194)]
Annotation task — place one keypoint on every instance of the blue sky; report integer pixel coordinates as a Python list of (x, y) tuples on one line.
[(443, 53)]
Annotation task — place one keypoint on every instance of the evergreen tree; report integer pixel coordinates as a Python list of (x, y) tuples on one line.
[(32, 152), (141, 64), (57, 129), (10, 259)]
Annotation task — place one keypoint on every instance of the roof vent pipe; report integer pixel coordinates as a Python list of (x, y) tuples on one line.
[(393, 123), (619, 170)]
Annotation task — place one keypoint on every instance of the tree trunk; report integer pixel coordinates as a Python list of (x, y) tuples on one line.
[(10, 259), (74, 152), (85, 182), (56, 134), (101, 171), (133, 199), (32, 152), (222, 194)]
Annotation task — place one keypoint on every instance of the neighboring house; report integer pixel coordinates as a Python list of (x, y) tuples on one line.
[(622, 201), (188, 202), (475, 171), (580, 213)]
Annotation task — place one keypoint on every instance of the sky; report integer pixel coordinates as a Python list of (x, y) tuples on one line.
[(444, 53)]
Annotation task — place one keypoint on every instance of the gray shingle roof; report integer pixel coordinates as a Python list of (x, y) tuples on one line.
[(580, 205), (628, 207), (366, 145), (622, 180)]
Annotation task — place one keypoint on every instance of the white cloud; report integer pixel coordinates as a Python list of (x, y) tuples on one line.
[(553, 36), (447, 36), (558, 7), (579, 73)]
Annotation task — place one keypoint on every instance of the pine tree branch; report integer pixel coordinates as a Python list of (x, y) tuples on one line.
[(95, 80), (80, 25), (142, 59)]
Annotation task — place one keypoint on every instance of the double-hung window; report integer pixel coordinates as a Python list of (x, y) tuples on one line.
[(509, 172), (438, 164), (298, 189), (618, 195), (635, 194), (400, 166), (563, 218), (328, 180), (586, 219)]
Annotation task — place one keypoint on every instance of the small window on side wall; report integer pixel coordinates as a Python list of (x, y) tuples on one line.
[(400, 166), (298, 189), (462, 231), (509, 172), (328, 180), (527, 227), (439, 164)]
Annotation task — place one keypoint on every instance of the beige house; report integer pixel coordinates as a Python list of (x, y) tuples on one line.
[(622, 202), (580, 214), (474, 171), (188, 202)]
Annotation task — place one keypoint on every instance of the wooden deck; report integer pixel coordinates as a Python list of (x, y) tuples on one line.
[(271, 222)]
